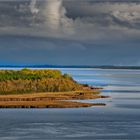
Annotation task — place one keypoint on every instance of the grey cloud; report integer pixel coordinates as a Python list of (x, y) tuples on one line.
[(125, 12), (33, 8), (88, 20)]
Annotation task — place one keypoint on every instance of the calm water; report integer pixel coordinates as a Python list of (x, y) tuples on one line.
[(120, 119)]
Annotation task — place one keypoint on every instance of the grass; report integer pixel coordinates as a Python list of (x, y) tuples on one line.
[(49, 100)]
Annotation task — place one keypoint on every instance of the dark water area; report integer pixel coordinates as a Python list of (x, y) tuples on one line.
[(119, 119)]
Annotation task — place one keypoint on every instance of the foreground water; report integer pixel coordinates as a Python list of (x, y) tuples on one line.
[(120, 119)]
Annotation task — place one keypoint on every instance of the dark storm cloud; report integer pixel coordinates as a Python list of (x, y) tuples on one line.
[(70, 19), (105, 13), (16, 13), (70, 32)]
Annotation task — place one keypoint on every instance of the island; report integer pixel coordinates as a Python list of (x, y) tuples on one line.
[(44, 88)]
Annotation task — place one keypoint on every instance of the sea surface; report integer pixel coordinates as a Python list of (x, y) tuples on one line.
[(119, 119)]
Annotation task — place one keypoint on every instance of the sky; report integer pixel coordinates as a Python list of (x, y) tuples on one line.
[(70, 32)]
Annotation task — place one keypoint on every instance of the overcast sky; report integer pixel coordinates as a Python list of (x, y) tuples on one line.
[(70, 32)]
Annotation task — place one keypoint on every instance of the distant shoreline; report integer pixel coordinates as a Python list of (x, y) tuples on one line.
[(70, 66)]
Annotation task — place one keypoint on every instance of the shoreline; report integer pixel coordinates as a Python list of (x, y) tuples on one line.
[(51, 100)]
